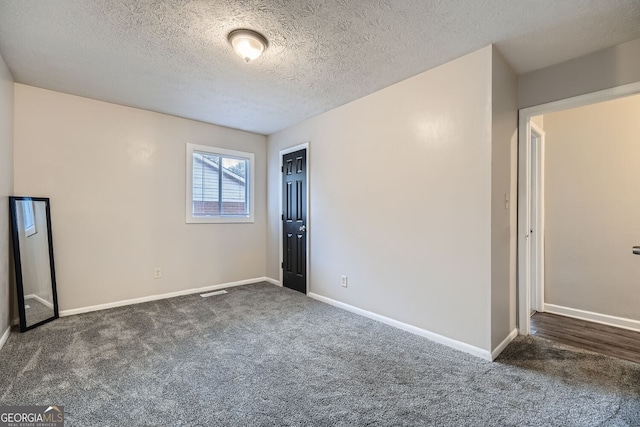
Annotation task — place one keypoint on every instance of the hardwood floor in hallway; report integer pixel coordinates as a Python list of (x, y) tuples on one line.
[(609, 340)]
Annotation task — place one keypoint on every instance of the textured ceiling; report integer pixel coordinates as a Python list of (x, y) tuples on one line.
[(172, 56)]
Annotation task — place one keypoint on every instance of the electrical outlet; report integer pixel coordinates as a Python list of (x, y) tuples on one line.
[(344, 281), (157, 273)]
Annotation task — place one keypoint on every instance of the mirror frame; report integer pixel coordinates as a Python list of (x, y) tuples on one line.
[(18, 262)]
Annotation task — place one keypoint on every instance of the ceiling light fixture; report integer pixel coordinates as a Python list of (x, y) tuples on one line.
[(248, 44)]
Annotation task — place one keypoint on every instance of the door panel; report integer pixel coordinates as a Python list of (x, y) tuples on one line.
[(294, 220)]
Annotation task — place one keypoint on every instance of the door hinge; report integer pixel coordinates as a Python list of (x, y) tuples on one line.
[(282, 169), (282, 265), (282, 217)]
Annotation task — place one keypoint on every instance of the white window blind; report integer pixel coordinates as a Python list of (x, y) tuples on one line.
[(219, 185)]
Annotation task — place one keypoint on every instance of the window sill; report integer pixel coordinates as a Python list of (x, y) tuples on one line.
[(220, 220)]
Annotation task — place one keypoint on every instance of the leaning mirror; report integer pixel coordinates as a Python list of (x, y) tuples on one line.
[(33, 256)]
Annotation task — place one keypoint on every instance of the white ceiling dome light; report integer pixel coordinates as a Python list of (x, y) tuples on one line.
[(248, 44)]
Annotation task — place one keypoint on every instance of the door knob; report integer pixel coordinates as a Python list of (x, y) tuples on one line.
[(636, 250), (303, 228)]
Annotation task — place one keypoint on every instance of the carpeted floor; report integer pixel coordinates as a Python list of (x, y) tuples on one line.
[(263, 355), (36, 311)]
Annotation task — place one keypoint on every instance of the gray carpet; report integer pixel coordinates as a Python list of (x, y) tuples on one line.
[(35, 311), (264, 355)]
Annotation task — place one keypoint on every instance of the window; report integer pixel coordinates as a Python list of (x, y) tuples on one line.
[(219, 185), (28, 218)]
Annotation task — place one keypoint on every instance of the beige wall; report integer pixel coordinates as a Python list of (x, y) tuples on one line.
[(538, 121), (504, 134), (593, 208), (116, 179), (6, 189), (614, 66), (400, 194)]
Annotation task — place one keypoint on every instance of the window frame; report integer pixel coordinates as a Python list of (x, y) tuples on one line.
[(249, 182), (29, 218)]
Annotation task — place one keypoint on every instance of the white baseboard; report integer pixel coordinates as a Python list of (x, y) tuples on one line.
[(132, 301), (605, 319), (457, 345), (5, 337), (272, 281), (40, 300), (500, 348)]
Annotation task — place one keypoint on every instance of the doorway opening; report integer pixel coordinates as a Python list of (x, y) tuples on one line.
[(294, 218), (531, 209)]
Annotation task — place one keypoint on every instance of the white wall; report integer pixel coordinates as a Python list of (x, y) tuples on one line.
[(400, 194), (504, 132), (614, 66), (116, 179), (6, 189), (592, 207)]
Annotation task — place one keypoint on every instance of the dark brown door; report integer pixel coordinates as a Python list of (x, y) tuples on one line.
[(294, 220)]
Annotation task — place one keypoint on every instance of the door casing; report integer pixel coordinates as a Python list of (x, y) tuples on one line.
[(304, 146), (536, 232)]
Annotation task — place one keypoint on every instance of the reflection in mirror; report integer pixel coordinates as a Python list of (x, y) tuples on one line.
[(33, 254)]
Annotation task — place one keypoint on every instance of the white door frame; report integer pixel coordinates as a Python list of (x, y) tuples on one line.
[(525, 196), (536, 232), (284, 151)]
